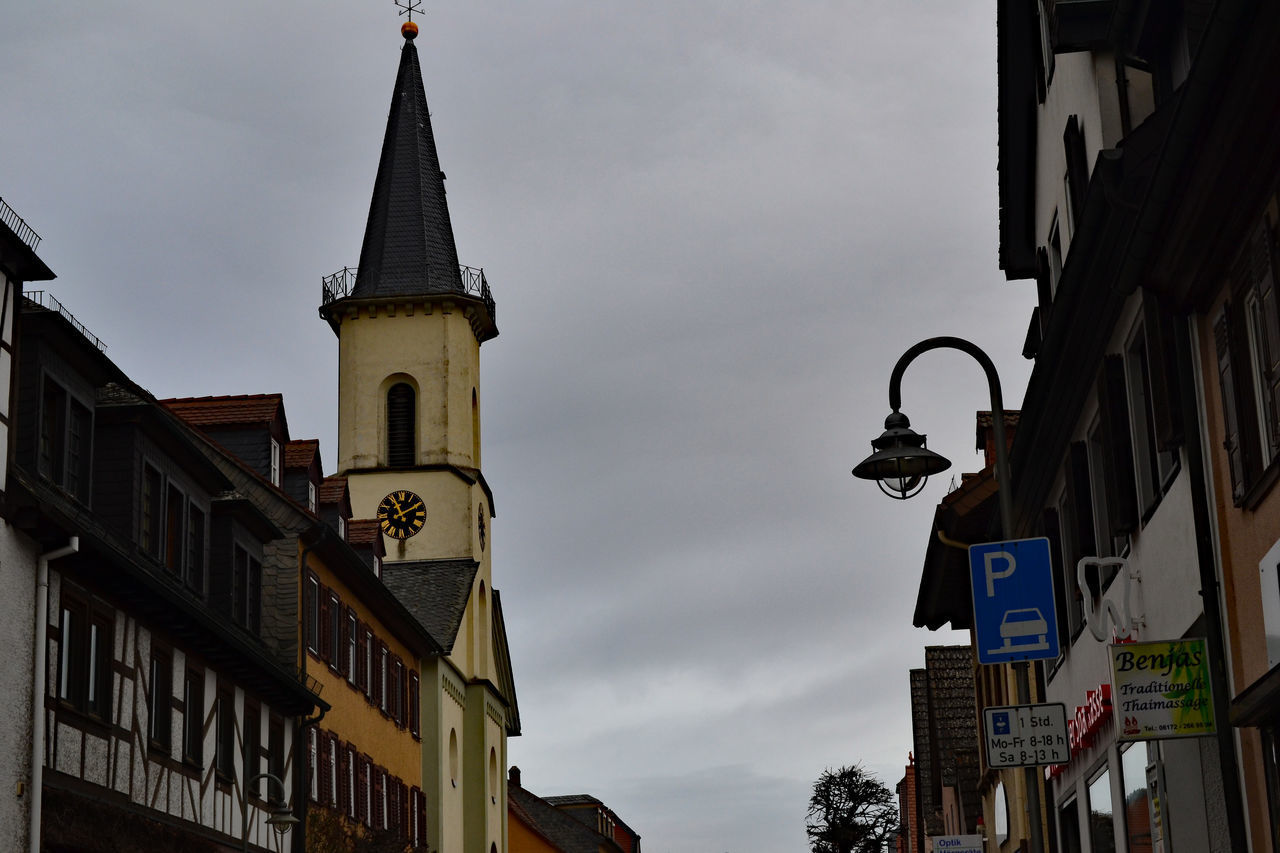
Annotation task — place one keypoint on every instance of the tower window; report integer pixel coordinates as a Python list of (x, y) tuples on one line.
[(401, 407)]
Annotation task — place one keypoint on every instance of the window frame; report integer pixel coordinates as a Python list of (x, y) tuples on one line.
[(193, 724), (160, 699)]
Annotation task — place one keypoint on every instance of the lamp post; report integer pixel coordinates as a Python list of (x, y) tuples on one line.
[(901, 464), (281, 819)]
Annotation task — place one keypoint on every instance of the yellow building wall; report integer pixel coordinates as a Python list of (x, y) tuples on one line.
[(351, 716), (430, 345), (524, 840)]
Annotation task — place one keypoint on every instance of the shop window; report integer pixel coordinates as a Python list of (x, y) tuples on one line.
[(1069, 827), (1137, 798), (1102, 832)]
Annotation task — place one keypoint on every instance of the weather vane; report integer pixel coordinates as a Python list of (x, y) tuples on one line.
[(408, 7)]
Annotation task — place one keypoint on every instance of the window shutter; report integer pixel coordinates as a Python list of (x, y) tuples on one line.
[(1044, 289), (1261, 252), (362, 789), (1162, 328), (415, 704), (379, 815), (341, 782), (1222, 335), (1077, 167), (1118, 465), (1053, 532)]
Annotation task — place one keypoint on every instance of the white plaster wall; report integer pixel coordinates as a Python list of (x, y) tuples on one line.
[(1073, 91), (17, 628)]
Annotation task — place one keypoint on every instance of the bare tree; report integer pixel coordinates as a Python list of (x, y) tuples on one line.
[(850, 811)]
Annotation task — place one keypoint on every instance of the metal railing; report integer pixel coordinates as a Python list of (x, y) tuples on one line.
[(19, 225), (471, 280), (49, 303)]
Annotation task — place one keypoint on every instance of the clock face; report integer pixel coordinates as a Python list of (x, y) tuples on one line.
[(401, 514)]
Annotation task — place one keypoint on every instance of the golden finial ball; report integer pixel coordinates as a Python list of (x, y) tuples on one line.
[(409, 29)]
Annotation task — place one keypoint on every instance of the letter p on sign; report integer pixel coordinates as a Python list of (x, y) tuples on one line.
[(991, 558)]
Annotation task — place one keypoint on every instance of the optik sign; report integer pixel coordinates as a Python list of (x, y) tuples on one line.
[(1013, 607)]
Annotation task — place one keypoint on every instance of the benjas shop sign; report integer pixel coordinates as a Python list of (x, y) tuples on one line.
[(1161, 690)]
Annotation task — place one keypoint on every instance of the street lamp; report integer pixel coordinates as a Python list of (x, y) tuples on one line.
[(281, 819), (901, 464)]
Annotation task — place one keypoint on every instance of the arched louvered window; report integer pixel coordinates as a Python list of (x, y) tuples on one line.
[(401, 425)]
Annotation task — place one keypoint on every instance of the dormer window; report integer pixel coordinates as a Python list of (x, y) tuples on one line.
[(342, 527), (66, 429), (311, 497), (401, 425)]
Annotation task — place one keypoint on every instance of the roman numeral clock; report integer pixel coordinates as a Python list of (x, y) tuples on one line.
[(401, 514)]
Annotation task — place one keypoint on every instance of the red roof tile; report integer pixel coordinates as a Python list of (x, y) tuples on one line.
[(332, 488), (363, 531), (301, 453), (226, 411)]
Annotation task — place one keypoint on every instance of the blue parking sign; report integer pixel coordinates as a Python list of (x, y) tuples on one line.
[(1013, 608)]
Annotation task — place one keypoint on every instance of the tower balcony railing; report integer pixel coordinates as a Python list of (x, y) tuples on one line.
[(471, 280), (19, 225)]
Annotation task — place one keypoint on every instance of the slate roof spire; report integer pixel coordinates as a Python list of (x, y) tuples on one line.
[(408, 242)]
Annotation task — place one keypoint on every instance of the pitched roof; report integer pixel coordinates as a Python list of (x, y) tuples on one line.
[(301, 452), (408, 241), (233, 410), (563, 829), (434, 591)]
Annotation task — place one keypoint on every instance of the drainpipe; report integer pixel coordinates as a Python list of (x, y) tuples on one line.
[(38, 687), (1210, 589)]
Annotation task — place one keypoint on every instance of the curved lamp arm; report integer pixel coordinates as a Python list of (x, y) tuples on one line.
[(1003, 480)]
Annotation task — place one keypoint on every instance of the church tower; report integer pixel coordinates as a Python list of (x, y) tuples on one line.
[(410, 321)]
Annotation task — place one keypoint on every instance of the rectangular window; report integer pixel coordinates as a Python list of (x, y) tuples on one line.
[(382, 676), (252, 743), (311, 496), (311, 605), (152, 499), (336, 645), (53, 435), (352, 630), (175, 539), (1137, 800), (225, 743), (196, 551), (349, 802), (333, 771), (159, 699), (79, 456), (85, 653), (1069, 827), (397, 691), (275, 462), (313, 751), (415, 704), (369, 649), (275, 747), (193, 719), (246, 590)]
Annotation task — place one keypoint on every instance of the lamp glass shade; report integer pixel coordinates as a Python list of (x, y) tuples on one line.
[(901, 463)]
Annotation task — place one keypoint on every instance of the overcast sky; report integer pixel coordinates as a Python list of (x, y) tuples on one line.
[(711, 228)]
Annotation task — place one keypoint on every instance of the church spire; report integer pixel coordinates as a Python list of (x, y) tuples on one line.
[(408, 242)]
